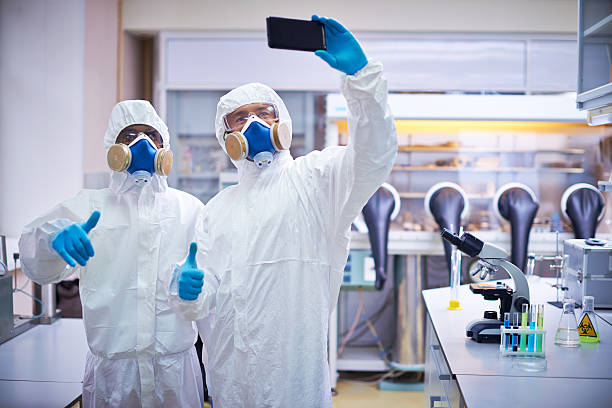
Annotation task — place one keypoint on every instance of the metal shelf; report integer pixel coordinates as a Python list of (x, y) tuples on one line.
[(197, 135), (489, 169), (600, 29), (595, 98), (484, 150), (355, 358), (474, 196), (208, 175)]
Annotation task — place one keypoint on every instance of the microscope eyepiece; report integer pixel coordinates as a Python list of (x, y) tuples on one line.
[(467, 243), (450, 237)]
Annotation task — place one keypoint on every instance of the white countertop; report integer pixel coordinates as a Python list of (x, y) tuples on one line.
[(572, 377), (490, 391), (465, 356), (44, 366)]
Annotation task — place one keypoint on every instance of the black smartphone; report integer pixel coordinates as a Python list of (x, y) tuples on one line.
[(292, 34)]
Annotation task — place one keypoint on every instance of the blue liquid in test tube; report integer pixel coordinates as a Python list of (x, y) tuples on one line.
[(507, 326)]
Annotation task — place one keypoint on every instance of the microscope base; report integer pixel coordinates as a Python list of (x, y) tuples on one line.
[(484, 330)]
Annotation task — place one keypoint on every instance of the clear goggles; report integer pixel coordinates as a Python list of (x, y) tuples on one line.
[(131, 132), (234, 121)]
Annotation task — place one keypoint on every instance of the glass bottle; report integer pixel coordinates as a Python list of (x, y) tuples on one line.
[(567, 332), (587, 328)]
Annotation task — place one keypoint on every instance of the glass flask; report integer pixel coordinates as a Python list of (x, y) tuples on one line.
[(567, 332), (587, 329)]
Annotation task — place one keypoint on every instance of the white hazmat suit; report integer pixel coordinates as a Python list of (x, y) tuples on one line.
[(141, 352), (273, 249)]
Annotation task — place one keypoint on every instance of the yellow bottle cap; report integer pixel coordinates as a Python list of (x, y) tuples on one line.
[(454, 305)]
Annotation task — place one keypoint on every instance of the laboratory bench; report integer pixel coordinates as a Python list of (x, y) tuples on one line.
[(470, 374), (410, 248), (44, 366)]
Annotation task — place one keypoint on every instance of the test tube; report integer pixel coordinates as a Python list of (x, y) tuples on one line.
[(540, 327), (524, 319), (507, 337), (533, 311), (515, 322)]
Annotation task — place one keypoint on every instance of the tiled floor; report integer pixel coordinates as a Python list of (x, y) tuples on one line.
[(359, 395), (356, 395)]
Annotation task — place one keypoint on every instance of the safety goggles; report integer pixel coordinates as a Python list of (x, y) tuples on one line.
[(234, 121), (131, 132)]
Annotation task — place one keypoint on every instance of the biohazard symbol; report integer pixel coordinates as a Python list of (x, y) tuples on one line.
[(585, 328)]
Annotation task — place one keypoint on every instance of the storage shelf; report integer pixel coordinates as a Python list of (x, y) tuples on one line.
[(209, 175), (600, 29), (197, 135), (484, 150), (474, 196), (489, 169), (364, 358)]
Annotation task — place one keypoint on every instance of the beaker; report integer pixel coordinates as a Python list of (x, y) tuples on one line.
[(567, 332)]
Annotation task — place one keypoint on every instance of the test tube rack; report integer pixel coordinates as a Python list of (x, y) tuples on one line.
[(534, 340)]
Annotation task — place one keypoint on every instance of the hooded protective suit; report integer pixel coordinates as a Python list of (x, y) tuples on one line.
[(141, 353), (273, 249)]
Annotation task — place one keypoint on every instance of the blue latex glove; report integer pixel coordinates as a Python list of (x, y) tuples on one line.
[(72, 243), (191, 279), (343, 51)]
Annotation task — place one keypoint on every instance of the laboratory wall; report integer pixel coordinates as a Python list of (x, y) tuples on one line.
[(100, 88), (65, 63), (41, 107), (517, 16)]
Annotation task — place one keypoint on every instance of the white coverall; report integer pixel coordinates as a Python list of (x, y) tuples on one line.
[(273, 249), (141, 352)]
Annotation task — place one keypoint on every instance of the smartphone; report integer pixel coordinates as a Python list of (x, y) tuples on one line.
[(292, 34)]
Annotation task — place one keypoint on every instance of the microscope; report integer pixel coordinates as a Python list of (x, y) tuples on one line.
[(491, 258)]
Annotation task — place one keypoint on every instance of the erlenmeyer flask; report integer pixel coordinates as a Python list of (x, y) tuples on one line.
[(587, 329), (567, 332)]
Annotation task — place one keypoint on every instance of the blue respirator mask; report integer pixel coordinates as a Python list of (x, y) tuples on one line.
[(258, 141), (141, 158)]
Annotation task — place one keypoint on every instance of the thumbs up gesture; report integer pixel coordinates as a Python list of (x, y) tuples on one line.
[(72, 243), (191, 279)]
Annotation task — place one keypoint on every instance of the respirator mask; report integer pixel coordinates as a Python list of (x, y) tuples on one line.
[(253, 132), (138, 153)]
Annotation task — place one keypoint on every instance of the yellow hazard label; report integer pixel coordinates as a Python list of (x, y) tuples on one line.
[(585, 328)]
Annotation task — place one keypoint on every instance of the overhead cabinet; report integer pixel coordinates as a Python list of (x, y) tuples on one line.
[(595, 60)]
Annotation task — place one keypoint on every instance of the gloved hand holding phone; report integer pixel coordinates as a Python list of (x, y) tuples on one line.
[(72, 243), (343, 51), (191, 279)]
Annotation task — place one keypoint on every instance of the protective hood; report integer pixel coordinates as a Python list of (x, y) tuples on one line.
[(519, 207), (244, 95), (134, 112), (446, 206), (583, 204)]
